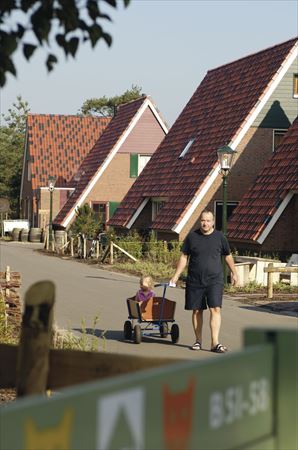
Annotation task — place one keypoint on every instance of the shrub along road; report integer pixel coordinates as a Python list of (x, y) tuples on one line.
[(84, 291)]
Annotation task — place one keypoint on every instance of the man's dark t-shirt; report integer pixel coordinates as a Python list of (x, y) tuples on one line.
[(205, 251)]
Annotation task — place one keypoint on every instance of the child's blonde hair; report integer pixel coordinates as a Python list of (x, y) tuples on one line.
[(146, 282)]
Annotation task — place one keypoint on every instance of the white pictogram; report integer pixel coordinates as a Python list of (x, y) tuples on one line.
[(129, 404)]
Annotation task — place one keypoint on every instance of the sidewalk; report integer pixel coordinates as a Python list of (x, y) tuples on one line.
[(286, 304)]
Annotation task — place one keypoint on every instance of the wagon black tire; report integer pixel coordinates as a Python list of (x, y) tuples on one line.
[(127, 330), (175, 333), (163, 329), (137, 334)]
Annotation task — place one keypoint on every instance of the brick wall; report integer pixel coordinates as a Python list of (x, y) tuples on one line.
[(114, 182), (252, 152)]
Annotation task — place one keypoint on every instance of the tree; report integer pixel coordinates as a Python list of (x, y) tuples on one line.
[(105, 106), (12, 142), (32, 24), (85, 221)]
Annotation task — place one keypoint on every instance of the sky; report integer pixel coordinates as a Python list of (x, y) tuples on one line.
[(164, 46)]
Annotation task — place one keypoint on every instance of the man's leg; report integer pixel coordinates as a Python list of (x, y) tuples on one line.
[(215, 322), (197, 322)]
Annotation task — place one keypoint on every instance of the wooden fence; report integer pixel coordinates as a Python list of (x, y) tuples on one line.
[(270, 270), (244, 399)]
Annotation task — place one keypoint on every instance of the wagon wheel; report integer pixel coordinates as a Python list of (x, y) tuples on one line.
[(127, 330), (137, 333), (163, 329), (175, 333)]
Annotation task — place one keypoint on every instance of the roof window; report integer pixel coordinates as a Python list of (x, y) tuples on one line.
[(277, 138), (186, 148)]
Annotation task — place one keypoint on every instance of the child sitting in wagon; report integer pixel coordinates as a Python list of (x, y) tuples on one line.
[(145, 292)]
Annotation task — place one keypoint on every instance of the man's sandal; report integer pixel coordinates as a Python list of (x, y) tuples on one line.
[(219, 349), (196, 346)]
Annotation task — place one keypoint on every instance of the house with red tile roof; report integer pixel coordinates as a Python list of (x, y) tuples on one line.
[(55, 146), (248, 104), (115, 161), (266, 218)]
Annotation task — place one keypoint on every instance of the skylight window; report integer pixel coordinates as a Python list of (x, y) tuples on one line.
[(186, 148)]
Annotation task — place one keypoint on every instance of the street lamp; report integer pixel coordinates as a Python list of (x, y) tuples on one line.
[(225, 156), (51, 186)]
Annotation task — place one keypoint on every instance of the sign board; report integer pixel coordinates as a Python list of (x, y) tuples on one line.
[(221, 403), (9, 225)]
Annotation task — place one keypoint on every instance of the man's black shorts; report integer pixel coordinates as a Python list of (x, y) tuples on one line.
[(201, 297)]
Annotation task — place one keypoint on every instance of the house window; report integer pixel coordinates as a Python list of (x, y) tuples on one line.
[(157, 205), (277, 138), (100, 212), (218, 212), (186, 148), (137, 164), (295, 85)]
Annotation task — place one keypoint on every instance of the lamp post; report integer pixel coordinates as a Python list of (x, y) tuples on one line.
[(51, 185), (225, 158)]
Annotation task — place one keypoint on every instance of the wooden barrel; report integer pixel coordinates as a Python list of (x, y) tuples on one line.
[(35, 235), (59, 239), (24, 235), (15, 234)]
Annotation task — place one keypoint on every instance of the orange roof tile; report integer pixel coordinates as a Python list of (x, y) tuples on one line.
[(57, 144)]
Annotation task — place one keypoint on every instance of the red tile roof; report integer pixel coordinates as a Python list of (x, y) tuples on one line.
[(278, 177), (214, 115), (57, 144), (94, 161)]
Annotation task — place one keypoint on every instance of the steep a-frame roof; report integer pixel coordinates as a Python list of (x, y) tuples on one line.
[(57, 144), (103, 152), (220, 112), (271, 192)]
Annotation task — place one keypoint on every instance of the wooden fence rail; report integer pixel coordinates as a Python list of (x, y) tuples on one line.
[(270, 270)]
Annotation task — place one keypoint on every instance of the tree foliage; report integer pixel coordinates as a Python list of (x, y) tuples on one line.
[(85, 222), (105, 106), (31, 24), (12, 141)]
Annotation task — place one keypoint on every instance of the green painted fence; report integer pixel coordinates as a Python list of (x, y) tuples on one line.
[(243, 400)]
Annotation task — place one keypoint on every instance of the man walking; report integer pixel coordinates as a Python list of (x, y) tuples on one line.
[(204, 286)]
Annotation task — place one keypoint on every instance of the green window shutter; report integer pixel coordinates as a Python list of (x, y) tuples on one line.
[(133, 165), (112, 208)]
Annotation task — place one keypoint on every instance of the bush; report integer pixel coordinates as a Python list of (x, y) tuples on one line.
[(86, 222), (131, 242)]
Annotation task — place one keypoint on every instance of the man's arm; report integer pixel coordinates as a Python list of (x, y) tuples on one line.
[(180, 267), (230, 262)]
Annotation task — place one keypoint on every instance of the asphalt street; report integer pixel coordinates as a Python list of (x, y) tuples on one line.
[(84, 291)]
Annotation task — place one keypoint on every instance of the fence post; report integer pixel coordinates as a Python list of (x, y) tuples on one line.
[(35, 340), (47, 239), (270, 282), (7, 279), (111, 253), (84, 248), (71, 247)]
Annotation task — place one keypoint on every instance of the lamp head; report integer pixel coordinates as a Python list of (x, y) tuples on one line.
[(51, 183), (225, 156)]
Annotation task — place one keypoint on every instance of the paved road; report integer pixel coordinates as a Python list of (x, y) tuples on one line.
[(84, 291)]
